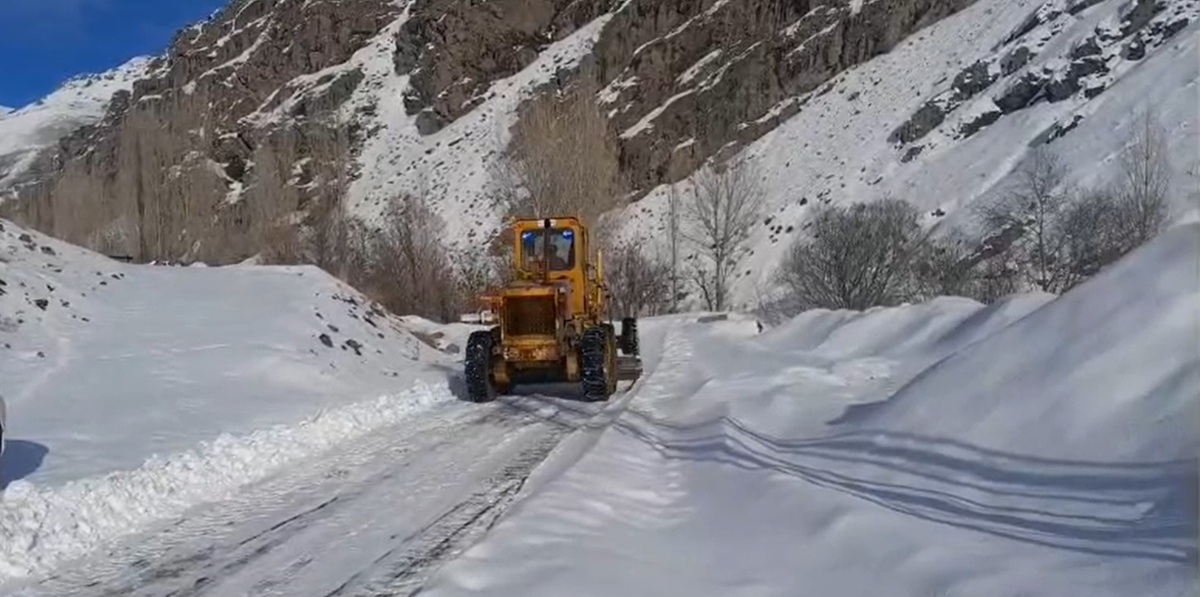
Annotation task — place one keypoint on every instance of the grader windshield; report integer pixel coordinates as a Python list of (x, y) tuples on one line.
[(553, 247)]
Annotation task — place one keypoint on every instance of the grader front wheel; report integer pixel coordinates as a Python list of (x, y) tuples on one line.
[(478, 367), (598, 363)]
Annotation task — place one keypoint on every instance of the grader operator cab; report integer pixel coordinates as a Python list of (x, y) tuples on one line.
[(549, 321)]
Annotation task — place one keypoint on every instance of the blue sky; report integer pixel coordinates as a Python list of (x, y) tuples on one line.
[(43, 42)]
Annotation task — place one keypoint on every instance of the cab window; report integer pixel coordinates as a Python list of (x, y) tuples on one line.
[(554, 245)]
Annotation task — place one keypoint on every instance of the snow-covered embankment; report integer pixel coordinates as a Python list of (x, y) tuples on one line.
[(136, 392), (1038, 446)]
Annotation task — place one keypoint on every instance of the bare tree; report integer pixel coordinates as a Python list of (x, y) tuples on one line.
[(1145, 182), (639, 285), (859, 256), (944, 267), (673, 246), (1061, 237), (564, 157), (1094, 234), (725, 202), (1034, 208), (403, 265)]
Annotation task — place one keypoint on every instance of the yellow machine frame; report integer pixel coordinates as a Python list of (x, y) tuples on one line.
[(550, 323)]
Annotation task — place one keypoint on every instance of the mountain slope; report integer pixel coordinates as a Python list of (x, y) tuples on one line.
[(79, 102), (247, 109), (857, 139)]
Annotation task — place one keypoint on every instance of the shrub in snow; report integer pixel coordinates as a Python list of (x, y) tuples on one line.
[(858, 256), (1059, 236)]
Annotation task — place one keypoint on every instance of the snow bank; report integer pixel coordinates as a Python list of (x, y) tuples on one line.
[(44, 527), (1109, 371), (135, 392), (1038, 446), (97, 352)]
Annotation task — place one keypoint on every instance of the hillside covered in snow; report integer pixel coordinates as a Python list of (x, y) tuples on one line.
[(79, 102)]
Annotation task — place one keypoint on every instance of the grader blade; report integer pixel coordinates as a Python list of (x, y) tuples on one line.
[(628, 368)]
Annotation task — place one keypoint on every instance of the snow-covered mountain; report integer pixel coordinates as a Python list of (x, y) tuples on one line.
[(80, 101), (934, 101)]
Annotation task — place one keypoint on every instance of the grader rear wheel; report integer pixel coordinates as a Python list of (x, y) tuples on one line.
[(598, 363), (629, 336)]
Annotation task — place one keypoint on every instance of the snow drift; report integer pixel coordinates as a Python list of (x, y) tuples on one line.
[(135, 392), (1038, 446)]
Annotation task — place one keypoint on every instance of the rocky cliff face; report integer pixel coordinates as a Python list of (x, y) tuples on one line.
[(1085, 69), (181, 164), (681, 79), (242, 124)]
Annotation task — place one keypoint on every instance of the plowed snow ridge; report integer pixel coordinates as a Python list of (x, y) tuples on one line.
[(44, 527)]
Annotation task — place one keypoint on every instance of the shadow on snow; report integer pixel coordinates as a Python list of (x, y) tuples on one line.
[(1142, 510), (21, 458)]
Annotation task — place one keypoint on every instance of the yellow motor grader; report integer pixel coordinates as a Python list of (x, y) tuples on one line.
[(548, 324)]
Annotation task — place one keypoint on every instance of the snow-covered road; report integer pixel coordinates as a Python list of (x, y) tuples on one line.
[(244, 430), (370, 517)]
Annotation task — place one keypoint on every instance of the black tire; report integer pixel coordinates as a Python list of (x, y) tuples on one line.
[(478, 367), (597, 363), (629, 336)]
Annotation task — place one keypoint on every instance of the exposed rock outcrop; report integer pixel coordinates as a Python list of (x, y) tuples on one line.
[(683, 80), (1083, 69), (189, 162)]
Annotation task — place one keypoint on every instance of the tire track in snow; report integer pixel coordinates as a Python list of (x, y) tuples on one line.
[(415, 496), (403, 570)]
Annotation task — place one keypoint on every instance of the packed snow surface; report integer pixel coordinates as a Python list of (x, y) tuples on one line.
[(135, 392), (1037, 446)]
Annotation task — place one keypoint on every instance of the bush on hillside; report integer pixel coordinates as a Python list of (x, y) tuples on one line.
[(857, 256), (1042, 234), (1061, 235)]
